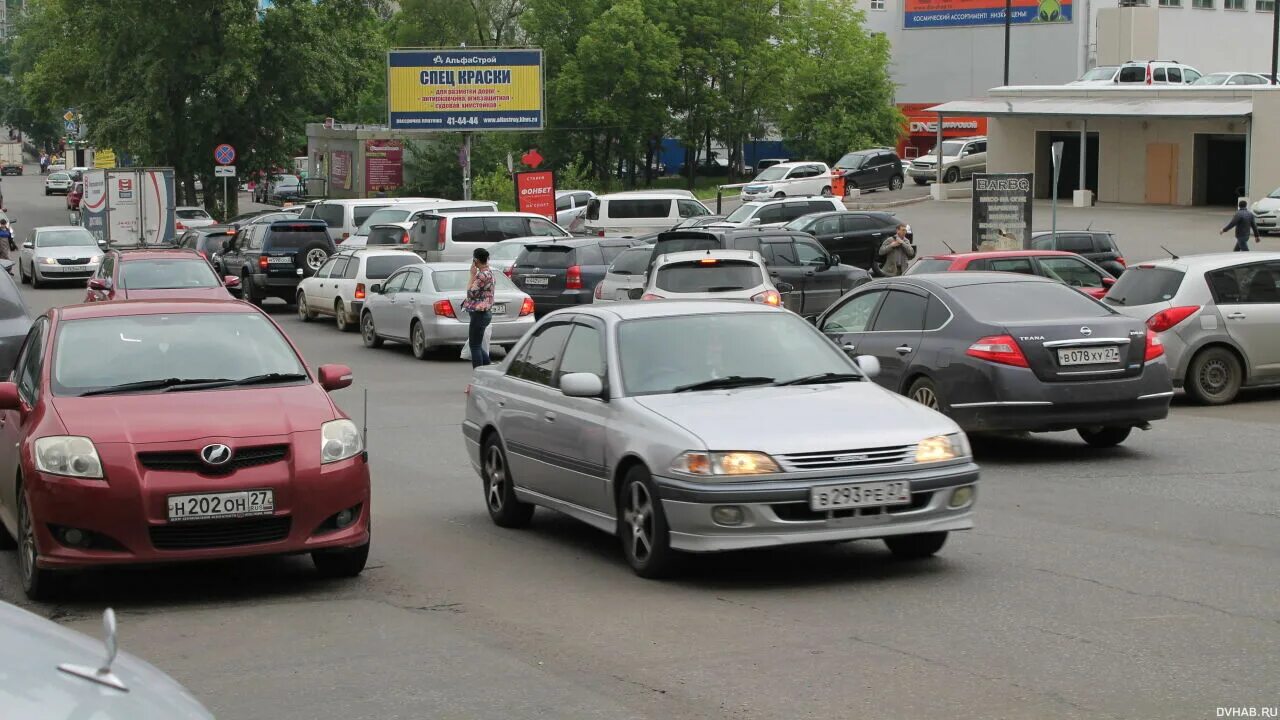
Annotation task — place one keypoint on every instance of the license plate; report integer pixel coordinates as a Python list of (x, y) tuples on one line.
[(208, 506), (536, 281), (498, 309), (279, 261), (74, 268), (838, 497), (1089, 356)]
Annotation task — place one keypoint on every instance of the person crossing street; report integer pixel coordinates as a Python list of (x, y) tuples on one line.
[(1244, 223)]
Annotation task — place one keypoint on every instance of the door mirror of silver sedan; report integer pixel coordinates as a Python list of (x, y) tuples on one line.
[(784, 288), (868, 364), (28, 245), (578, 385)]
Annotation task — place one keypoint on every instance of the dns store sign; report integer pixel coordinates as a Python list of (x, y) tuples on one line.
[(536, 192)]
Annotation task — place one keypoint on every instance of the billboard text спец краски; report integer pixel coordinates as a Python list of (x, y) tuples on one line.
[(465, 90), (962, 13)]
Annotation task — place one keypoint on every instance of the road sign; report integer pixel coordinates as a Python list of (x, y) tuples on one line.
[(224, 171), (70, 127), (69, 116), (224, 154)]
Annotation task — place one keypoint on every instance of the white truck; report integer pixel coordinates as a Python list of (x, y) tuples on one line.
[(11, 158), (129, 207)]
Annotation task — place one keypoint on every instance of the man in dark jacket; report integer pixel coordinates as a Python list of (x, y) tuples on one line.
[(1244, 224)]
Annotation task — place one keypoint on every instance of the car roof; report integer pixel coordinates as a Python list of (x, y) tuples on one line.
[(714, 253), (380, 201), (443, 266), (125, 308), (189, 207), (1043, 233), (149, 253), (373, 250), (61, 227), (587, 241), (494, 213), (948, 280), (1209, 261), (999, 254), (211, 229), (789, 198), (669, 308)]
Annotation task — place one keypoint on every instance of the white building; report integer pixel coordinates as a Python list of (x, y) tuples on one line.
[(1209, 35)]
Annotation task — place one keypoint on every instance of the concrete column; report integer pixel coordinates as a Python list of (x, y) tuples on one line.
[(1082, 196)]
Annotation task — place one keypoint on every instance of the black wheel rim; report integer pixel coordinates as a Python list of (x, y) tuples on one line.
[(366, 327), (638, 518), (1214, 376), (495, 474), (26, 542)]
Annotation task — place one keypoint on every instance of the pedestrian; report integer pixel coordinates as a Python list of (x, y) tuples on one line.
[(6, 239), (897, 252), (44, 163), (477, 303), (1244, 223)]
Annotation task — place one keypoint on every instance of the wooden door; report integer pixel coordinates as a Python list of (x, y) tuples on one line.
[(1162, 173)]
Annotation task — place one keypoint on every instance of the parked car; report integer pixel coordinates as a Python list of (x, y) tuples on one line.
[(55, 672), (454, 237), (1097, 246), (854, 236), (57, 167), (155, 274), (961, 158), (564, 273), (789, 179), (207, 241), (58, 252), (700, 221), (635, 213), (1157, 72), (271, 259), (15, 321), (421, 304), (769, 162), (1006, 352), (1232, 78), (683, 460), (408, 213), (570, 204), (11, 168), (1067, 268), (342, 284), (57, 183), (628, 271), (200, 469), (279, 189), (1101, 75), (1218, 315), (778, 211), (1266, 212), (344, 217), (503, 254), (870, 169), (77, 173), (266, 217), (186, 217), (712, 275), (75, 195)]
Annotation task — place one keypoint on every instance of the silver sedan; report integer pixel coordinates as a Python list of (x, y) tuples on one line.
[(705, 426), (421, 304), (58, 252)]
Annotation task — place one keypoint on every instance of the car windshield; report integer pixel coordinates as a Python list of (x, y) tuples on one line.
[(60, 176), (951, 148), (709, 275), (180, 346), (1004, 302), (852, 160), (1145, 286), (928, 265), (1213, 79), (288, 180), (383, 216), (802, 223), (776, 345), (456, 281), (773, 173), (743, 212), (1275, 193), (188, 213), (1104, 72), (76, 237), (167, 274)]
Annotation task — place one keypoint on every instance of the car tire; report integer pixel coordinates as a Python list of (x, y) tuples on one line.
[(1104, 437), (826, 191), (642, 526), (1214, 376), (36, 282), (418, 341), (247, 284), (342, 562), (340, 317), (916, 547), (305, 313), (313, 258), (39, 584), (505, 509), (920, 181), (925, 392), (368, 332), (895, 182), (951, 175), (22, 275), (779, 195)]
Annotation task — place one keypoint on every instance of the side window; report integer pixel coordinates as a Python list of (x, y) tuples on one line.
[(256, 236), (504, 228), (793, 210), (564, 202), (583, 353), (902, 311), (936, 315), (325, 269), (30, 361), (824, 206), (1175, 75), (467, 229), (540, 356), (977, 266), (690, 208), (542, 228), (859, 223), (1044, 242), (1259, 283), (810, 254), (770, 214), (855, 315), (353, 269), (396, 283), (412, 280), (330, 213), (581, 199), (826, 226), (1158, 75), (339, 267), (779, 254), (1076, 243), (1013, 265), (1071, 271)]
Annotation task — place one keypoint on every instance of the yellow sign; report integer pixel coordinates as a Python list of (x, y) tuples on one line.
[(465, 90), (104, 158), (68, 116)]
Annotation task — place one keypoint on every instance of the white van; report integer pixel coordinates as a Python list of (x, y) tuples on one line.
[(344, 216), (452, 237), (411, 211), (636, 213)]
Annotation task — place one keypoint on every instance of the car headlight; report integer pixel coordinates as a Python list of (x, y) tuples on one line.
[(48, 261), (95, 259), (725, 463), (942, 447), (339, 440), (68, 455)]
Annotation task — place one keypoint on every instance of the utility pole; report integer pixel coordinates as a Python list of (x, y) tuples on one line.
[(1275, 41), (1008, 22), (1057, 166)]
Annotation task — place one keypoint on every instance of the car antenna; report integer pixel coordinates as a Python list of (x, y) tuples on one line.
[(1172, 256), (949, 248), (1088, 227)]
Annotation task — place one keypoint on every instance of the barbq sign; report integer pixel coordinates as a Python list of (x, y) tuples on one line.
[(1002, 211)]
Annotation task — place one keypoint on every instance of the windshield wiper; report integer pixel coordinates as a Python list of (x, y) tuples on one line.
[(251, 380), (725, 382), (822, 379), (724, 288), (149, 385)]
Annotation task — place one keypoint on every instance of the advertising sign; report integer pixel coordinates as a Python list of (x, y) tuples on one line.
[(104, 158), (536, 192), (1002, 211), (383, 165), (465, 90), (964, 13), (340, 169)]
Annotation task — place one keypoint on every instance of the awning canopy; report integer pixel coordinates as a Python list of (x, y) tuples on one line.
[(1164, 107)]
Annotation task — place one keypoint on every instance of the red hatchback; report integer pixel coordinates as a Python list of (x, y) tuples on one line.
[(74, 195), (178, 274), (1065, 267), (151, 432)]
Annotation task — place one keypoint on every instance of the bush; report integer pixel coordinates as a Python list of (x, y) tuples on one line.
[(495, 186)]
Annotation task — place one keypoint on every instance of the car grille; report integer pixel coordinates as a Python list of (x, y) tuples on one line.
[(73, 261), (800, 511), (189, 460), (222, 533), (847, 459)]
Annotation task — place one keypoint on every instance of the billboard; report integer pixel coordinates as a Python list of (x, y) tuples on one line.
[(1002, 211), (340, 169), (465, 90), (383, 165), (965, 13), (536, 192)]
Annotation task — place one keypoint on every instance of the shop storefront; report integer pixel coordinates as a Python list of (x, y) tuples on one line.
[(921, 130)]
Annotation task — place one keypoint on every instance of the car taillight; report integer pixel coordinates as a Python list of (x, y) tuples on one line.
[(650, 296), (573, 278), (1155, 346), (441, 232), (998, 349), (404, 238), (178, 226), (599, 293), (1166, 319), (1123, 264), (768, 297), (508, 271), (262, 261), (444, 308), (359, 291), (526, 307), (203, 254)]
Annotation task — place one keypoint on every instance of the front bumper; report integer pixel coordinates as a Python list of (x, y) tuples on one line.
[(922, 172), (777, 512), (64, 272)]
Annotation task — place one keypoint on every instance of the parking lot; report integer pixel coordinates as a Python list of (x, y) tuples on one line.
[(1136, 582)]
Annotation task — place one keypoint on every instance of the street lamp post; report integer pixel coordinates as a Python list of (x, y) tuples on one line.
[(1008, 20), (1275, 41), (1057, 166)]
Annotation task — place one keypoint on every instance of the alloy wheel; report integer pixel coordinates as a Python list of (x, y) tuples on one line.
[(26, 541), (340, 316), (316, 258), (926, 397), (895, 183), (368, 331), (638, 519), (419, 341), (495, 471)]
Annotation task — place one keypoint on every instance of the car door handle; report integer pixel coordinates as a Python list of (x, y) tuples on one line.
[(1236, 316), (848, 347), (549, 417), (838, 237), (903, 349)]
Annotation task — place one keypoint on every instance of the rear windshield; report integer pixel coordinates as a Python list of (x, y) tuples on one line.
[(928, 265), (488, 229), (456, 280), (288, 237), (1012, 302), (190, 214), (1144, 286), (382, 217), (554, 258), (381, 267), (654, 208), (632, 262), (384, 235), (700, 277)]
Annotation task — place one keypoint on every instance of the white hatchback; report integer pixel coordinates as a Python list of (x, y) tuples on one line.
[(789, 179), (712, 275), (340, 287)]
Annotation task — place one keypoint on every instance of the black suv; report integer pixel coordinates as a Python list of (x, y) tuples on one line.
[(209, 240), (271, 259), (815, 275), (1096, 245), (854, 236), (564, 272), (870, 169)]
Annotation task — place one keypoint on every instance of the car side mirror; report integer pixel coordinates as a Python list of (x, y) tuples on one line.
[(376, 288), (868, 364), (1108, 282), (9, 399), (102, 243), (635, 293), (335, 377), (231, 281), (753, 221), (582, 384), (835, 260), (28, 245), (784, 288)]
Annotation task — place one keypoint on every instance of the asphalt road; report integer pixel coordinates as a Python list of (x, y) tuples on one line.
[(1140, 582)]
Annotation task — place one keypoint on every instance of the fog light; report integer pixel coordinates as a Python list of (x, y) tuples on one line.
[(961, 496), (344, 518), (727, 515), (74, 537)]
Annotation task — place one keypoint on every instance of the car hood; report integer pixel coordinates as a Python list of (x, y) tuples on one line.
[(1267, 204), (804, 418), (68, 251), (182, 416), (213, 293)]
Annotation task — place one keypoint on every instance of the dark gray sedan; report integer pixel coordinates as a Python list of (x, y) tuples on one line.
[(1008, 352), (15, 321)]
